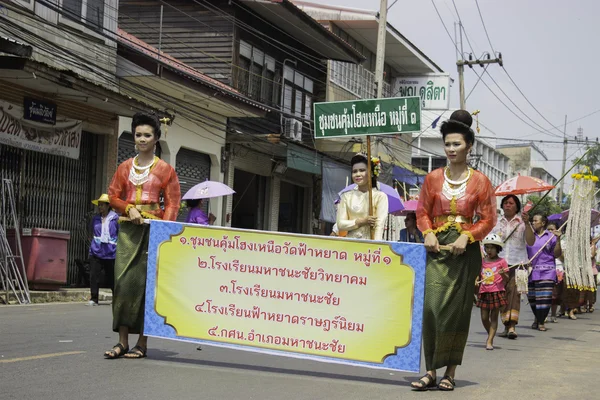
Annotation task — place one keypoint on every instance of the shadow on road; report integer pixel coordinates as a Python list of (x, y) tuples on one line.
[(568, 339), (169, 356)]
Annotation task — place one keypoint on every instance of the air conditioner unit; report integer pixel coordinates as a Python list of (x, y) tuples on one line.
[(293, 129)]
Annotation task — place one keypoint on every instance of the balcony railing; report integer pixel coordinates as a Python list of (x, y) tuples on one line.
[(357, 80)]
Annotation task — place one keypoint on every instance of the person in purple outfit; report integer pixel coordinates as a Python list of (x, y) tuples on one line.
[(103, 250), (196, 215), (542, 277)]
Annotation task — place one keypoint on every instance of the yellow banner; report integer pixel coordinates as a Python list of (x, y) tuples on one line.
[(311, 295)]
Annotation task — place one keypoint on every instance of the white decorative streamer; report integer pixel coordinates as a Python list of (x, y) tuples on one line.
[(578, 256)]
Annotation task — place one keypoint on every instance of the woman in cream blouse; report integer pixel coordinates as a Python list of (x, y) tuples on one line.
[(353, 210)]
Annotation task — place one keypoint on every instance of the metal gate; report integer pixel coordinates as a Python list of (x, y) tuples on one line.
[(55, 192), (126, 149), (192, 168)]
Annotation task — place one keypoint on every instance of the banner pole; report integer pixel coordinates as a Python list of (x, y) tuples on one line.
[(370, 183)]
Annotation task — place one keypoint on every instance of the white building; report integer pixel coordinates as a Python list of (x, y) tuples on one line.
[(528, 159)]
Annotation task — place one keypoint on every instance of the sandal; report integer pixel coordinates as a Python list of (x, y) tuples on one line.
[(112, 353), (542, 328), (447, 384), (534, 325), (421, 385), (512, 335), (136, 352), (553, 319)]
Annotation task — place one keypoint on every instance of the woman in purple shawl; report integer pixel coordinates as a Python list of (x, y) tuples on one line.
[(197, 215)]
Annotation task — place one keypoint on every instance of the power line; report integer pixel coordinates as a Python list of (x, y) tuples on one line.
[(515, 104), (525, 97), (484, 28)]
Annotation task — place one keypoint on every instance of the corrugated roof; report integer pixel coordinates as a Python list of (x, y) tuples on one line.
[(132, 42)]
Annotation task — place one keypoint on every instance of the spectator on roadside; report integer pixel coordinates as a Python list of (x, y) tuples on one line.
[(411, 233), (105, 228)]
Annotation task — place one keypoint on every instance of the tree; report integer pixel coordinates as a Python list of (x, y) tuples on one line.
[(591, 159), (547, 207)]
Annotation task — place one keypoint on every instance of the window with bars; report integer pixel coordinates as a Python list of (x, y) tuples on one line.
[(298, 97), (256, 74), (88, 12)]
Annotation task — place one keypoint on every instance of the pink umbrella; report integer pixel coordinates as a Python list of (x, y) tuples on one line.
[(409, 207), (207, 190)]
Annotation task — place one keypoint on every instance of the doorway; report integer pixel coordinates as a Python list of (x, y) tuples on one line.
[(291, 208), (248, 200)]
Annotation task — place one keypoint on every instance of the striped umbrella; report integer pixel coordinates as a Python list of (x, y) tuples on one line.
[(522, 184)]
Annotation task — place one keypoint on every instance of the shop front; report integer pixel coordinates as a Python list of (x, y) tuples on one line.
[(56, 168)]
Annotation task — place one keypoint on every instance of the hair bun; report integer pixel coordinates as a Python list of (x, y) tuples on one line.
[(462, 116)]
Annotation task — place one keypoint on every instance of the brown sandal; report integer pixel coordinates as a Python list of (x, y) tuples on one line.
[(136, 352), (112, 353), (447, 384), (421, 385)]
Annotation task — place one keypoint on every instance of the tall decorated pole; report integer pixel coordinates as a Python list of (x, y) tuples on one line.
[(379, 65)]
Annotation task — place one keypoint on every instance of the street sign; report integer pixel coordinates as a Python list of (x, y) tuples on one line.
[(387, 116), (433, 89)]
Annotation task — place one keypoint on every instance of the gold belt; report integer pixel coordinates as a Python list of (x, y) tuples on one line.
[(452, 218), (147, 207)]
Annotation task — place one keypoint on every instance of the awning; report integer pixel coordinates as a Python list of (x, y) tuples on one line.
[(300, 26), (302, 159), (408, 174)]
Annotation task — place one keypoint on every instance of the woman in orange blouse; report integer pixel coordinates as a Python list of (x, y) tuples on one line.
[(135, 192), (449, 200)]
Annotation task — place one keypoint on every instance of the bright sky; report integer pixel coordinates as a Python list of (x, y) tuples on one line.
[(549, 49)]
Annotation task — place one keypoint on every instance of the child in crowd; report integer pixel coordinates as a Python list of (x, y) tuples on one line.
[(492, 296)]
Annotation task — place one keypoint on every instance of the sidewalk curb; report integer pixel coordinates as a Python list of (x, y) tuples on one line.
[(78, 295)]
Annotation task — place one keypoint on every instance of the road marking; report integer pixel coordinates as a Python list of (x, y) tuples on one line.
[(40, 356)]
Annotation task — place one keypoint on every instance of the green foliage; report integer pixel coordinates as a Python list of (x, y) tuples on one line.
[(591, 159), (548, 206)]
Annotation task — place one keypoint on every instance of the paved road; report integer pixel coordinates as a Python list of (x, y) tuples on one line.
[(55, 351)]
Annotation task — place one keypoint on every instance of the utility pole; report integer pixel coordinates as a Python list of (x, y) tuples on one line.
[(470, 62), (380, 56), (379, 64), (564, 163)]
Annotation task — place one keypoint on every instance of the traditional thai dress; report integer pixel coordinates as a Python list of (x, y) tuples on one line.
[(447, 208), (354, 204), (515, 252), (543, 274), (139, 188)]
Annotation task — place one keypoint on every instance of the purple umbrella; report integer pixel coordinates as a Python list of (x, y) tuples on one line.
[(563, 216), (394, 202), (208, 189)]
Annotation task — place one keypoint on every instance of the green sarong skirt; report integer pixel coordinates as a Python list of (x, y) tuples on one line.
[(449, 287), (130, 277)]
